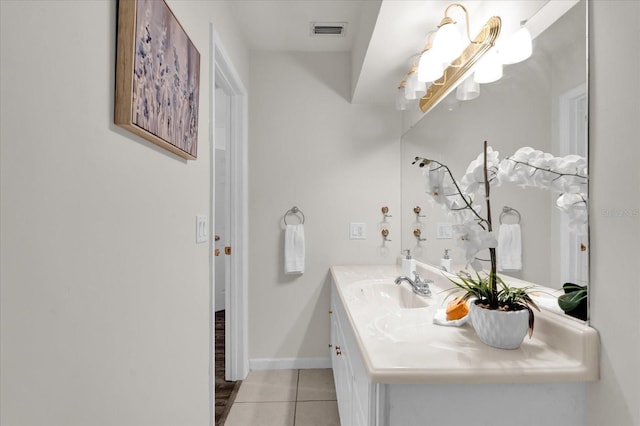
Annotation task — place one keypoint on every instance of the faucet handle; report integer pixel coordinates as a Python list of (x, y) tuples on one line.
[(420, 282)]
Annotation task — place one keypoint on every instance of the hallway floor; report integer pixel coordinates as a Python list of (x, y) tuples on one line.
[(286, 398)]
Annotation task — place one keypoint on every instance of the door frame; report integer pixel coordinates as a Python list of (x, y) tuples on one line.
[(223, 74), (570, 119)]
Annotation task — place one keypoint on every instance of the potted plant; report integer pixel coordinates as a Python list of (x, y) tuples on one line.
[(501, 315)]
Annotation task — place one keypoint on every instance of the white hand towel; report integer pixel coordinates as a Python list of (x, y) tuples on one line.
[(294, 249), (509, 249), (440, 318)]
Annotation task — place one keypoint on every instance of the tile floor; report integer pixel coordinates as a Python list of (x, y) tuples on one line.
[(286, 398)]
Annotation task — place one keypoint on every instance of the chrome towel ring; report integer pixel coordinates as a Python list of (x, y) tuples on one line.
[(506, 210), (294, 211)]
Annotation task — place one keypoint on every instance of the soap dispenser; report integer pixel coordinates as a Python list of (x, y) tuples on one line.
[(408, 264), (445, 262)]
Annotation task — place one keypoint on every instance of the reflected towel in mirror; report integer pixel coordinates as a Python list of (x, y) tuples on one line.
[(294, 249), (509, 251)]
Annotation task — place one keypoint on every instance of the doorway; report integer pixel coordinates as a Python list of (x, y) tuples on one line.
[(228, 212)]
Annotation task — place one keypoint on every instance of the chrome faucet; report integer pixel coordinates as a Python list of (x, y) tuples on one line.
[(418, 285)]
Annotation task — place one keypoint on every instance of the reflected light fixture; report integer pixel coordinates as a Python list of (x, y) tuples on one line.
[(468, 90), (489, 68), (517, 48)]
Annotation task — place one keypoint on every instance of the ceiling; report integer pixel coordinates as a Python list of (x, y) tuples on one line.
[(382, 35), (284, 25)]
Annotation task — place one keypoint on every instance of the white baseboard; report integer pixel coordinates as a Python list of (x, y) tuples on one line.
[(288, 363)]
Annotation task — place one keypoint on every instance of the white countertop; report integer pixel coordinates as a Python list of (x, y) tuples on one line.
[(404, 346)]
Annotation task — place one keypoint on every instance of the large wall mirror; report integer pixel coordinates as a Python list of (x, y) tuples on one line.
[(541, 103)]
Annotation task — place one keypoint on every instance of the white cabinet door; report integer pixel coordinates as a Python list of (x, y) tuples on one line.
[(353, 389), (341, 371)]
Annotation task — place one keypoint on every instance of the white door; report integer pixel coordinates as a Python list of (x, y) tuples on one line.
[(222, 238)]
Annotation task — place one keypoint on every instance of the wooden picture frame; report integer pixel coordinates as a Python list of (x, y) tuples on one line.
[(157, 77)]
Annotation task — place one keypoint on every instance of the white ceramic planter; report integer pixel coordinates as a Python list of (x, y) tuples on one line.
[(504, 330)]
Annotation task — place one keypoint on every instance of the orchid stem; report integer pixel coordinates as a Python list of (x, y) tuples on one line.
[(466, 202), (492, 251)]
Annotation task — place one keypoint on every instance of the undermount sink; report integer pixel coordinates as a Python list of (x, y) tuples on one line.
[(383, 293)]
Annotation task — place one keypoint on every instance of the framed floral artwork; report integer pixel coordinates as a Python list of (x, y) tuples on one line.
[(157, 77)]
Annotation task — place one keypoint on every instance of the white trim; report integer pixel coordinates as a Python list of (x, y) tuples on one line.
[(289, 363), (212, 272), (568, 122), (225, 76)]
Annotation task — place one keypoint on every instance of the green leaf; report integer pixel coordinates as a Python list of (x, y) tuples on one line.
[(570, 287), (531, 321), (570, 301)]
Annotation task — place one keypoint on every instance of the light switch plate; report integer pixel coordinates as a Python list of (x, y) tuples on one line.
[(358, 231), (444, 231), (201, 229)]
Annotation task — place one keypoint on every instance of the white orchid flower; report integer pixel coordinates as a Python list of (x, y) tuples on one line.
[(439, 184), (473, 180), (474, 239), (530, 167), (575, 206), (433, 177)]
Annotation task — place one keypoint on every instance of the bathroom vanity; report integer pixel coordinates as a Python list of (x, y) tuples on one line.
[(393, 367)]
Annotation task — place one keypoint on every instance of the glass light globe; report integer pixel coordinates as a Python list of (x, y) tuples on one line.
[(489, 68), (415, 89), (430, 66), (401, 101), (517, 48), (468, 90), (448, 42)]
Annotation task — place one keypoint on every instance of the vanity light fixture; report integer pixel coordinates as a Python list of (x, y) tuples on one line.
[(401, 100), (410, 88), (448, 39), (445, 61), (443, 46), (414, 88), (461, 67)]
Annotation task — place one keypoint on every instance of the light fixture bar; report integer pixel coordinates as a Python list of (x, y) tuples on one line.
[(460, 66)]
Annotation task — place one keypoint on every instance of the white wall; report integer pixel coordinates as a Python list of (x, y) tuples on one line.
[(339, 163), (615, 210), (104, 293)]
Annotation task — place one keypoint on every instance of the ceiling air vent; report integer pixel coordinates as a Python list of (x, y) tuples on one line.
[(328, 28)]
